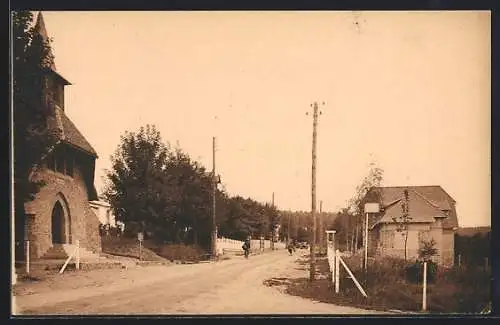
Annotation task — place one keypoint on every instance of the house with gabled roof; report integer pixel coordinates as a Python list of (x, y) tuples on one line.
[(60, 215), (432, 215)]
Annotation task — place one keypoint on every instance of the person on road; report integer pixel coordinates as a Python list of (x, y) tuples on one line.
[(290, 248), (246, 247)]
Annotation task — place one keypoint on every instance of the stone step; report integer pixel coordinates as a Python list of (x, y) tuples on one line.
[(63, 251)]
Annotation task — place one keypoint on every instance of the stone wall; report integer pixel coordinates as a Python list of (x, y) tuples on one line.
[(72, 193)]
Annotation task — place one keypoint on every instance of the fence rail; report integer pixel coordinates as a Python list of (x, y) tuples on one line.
[(76, 255), (334, 261), (227, 244)]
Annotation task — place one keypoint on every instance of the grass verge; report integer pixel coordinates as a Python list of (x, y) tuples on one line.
[(454, 291)]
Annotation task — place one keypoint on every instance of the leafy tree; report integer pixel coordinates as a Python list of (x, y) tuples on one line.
[(31, 108), (473, 249), (142, 194), (427, 250), (342, 225), (194, 208), (373, 179)]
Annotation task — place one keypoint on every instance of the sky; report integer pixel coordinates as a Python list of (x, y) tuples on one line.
[(409, 91)]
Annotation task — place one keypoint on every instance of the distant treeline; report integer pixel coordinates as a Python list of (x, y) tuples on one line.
[(473, 247)]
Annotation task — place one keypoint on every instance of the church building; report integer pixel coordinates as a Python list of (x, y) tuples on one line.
[(61, 215)]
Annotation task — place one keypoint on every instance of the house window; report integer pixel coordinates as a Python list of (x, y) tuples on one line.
[(422, 237), (387, 239)]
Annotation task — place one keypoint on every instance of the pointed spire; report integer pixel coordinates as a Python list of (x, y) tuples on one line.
[(41, 31), (40, 27)]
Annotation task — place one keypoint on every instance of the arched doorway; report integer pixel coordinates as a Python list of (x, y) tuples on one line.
[(58, 224)]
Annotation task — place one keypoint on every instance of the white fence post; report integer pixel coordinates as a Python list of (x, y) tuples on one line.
[(337, 271), (27, 256), (424, 295), (77, 254), (352, 277), (331, 259)]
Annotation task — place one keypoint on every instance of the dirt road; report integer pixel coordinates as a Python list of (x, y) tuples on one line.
[(229, 287)]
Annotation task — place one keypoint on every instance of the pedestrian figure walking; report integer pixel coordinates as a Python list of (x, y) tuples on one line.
[(290, 248), (246, 247)]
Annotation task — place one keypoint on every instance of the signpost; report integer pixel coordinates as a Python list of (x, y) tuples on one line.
[(369, 208), (140, 237)]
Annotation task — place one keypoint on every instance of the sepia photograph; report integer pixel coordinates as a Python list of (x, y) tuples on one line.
[(250, 163)]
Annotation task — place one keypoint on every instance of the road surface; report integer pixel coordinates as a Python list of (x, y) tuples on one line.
[(229, 287)]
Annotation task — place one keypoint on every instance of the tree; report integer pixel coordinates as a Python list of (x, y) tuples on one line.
[(342, 224), (167, 195), (194, 184), (403, 221), (31, 107), (427, 250), (141, 193), (373, 179)]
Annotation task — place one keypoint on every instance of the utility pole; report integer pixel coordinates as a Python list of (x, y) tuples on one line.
[(312, 267), (320, 218), (214, 190), (272, 227), (289, 231)]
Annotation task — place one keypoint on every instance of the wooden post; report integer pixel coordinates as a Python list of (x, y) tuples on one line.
[(486, 262), (320, 226), (332, 265), (366, 244), (312, 266), (140, 250), (459, 259), (337, 271), (27, 256), (424, 295), (77, 254), (353, 277), (214, 192)]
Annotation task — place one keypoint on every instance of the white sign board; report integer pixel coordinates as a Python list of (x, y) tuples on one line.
[(372, 208), (140, 236)]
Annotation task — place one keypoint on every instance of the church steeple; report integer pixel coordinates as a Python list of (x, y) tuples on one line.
[(54, 83), (41, 32)]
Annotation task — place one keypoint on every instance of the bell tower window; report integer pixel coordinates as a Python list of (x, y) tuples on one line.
[(62, 161)]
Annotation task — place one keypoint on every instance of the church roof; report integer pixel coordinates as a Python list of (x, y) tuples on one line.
[(59, 122), (67, 132)]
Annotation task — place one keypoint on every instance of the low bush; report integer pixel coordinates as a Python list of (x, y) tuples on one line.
[(397, 284), (180, 252), (129, 247), (415, 271)]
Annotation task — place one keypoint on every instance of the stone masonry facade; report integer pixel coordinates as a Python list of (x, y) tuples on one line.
[(80, 222)]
